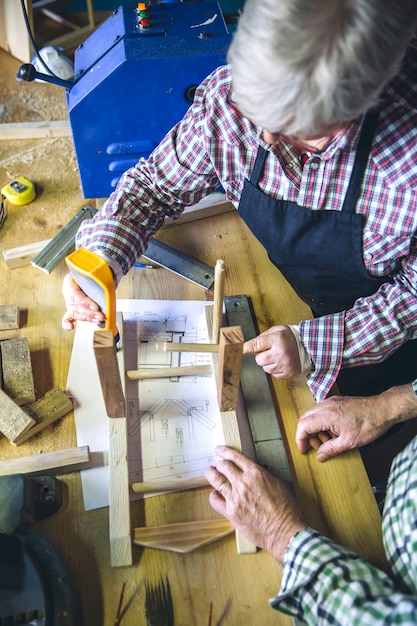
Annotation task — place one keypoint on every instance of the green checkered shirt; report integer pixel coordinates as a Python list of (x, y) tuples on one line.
[(325, 584)]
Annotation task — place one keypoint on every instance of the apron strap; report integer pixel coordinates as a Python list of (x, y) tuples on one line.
[(259, 165), (362, 154)]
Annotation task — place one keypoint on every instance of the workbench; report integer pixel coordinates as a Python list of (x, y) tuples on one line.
[(336, 496)]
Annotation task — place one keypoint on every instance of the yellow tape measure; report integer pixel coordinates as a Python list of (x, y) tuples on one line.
[(19, 192)]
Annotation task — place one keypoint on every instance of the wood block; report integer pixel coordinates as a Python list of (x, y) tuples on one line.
[(108, 369), (9, 316), (45, 411), (13, 420), (230, 365), (57, 462), (17, 370)]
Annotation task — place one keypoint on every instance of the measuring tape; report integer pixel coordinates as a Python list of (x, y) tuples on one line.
[(19, 192)]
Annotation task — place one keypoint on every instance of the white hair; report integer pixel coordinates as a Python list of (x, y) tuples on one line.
[(303, 66)]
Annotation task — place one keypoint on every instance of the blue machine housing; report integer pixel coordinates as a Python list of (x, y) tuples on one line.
[(133, 83)]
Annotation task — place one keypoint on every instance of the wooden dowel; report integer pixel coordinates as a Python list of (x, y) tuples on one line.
[(168, 372), (219, 272), (171, 346), (170, 484)]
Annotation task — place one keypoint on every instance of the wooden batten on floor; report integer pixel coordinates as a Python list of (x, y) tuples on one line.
[(57, 462)]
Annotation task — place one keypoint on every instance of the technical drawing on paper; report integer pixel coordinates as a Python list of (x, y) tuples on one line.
[(174, 423)]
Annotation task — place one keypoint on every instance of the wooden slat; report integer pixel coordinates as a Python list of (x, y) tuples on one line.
[(231, 433), (57, 462), (172, 346), (119, 493), (169, 372), (169, 484), (34, 130), (23, 255), (219, 278)]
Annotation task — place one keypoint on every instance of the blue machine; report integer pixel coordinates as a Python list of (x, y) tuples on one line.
[(135, 77)]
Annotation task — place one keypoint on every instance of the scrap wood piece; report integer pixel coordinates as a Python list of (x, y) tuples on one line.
[(231, 434), (23, 255), (57, 462), (17, 370), (14, 422), (45, 411), (9, 316), (108, 369), (183, 537), (230, 365), (34, 130)]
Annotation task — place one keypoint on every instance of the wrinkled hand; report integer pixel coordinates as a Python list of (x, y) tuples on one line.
[(343, 423), (276, 352), (79, 306), (255, 502)]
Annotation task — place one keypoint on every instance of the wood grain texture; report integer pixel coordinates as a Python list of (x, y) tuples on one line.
[(45, 411), (17, 370), (183, 537), (14, 422), (230, 365), (108, 370), (57, 462)]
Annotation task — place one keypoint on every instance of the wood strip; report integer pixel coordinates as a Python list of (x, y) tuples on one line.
[(57, 462), (119, 494), (34, 130), (14, 422), (45, 411), (23, 255), (219, 276), (172, 346), (17, 370), (108, 370), (230, 365), (169, 372), (231, 434), (183, 537), (169, 484)]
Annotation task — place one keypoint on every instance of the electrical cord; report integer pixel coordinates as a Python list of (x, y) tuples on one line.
[(32, 40)]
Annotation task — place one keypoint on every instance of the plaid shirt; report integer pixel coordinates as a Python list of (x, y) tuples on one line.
[(326, 584), (213, 145)]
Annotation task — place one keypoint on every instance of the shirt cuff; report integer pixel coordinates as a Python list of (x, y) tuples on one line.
[(323, 338), (305, 360)]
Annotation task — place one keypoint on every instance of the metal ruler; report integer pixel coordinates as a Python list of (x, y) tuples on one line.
[(267, 439), (188, 267)]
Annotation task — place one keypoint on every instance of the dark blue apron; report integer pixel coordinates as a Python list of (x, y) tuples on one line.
[(320, 254)]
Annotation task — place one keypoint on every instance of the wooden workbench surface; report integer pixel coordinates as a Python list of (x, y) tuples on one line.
[(335, 497)]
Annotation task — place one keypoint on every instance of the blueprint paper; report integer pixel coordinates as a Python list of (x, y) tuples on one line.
[(173, 424)]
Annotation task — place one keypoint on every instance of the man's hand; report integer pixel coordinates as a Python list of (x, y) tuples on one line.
[(276, 352), (342, 423), (79, 306), (255, 502)]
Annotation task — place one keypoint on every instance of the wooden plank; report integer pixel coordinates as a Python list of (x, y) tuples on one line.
[(231, 433), (119, 493), (17, 370), (23, 255), (219, 277), (14, 422), (13, 35), (230, 365), (183, 537), (9, 316), (57, 462), (45, 411), (34, 130), (108, 370)]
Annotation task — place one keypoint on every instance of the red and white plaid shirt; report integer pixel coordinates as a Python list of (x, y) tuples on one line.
[(213, 145)]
